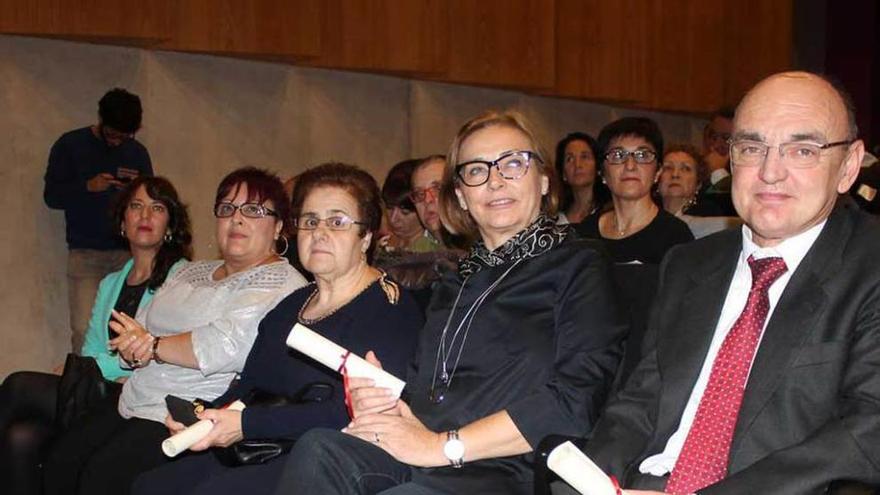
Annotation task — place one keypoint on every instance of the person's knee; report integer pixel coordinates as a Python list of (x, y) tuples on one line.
[(17, 384), (316, 444), (25, 439)]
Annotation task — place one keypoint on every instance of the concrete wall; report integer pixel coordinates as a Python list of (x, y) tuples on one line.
[(205, 116)]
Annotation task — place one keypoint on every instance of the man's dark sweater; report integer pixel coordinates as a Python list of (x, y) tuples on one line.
[(75, 158)]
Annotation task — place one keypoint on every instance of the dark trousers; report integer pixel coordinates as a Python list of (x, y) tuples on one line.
[(27, 423), (103, 454), (327, 462), (202, 474)]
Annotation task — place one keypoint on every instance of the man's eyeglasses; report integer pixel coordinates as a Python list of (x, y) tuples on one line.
[(512, 165), (335, 222), (642, 156), (420, 194), (111, 134), (748, 153), (250, 210)]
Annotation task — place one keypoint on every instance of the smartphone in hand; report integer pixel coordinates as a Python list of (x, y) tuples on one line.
[(126, 175)]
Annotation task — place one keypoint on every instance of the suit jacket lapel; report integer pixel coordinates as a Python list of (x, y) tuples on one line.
[(789, 325), (683, 350)]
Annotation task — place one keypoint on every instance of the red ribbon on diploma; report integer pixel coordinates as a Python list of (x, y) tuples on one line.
[(342, 369), (616, 485)]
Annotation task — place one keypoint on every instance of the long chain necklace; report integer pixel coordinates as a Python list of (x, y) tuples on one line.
[(445, 350)]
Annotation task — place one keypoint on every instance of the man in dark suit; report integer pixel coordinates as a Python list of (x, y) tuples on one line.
[(716, 155), (761, 367)]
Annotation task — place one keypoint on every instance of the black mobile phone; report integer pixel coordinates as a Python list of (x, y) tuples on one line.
[(182, 410)]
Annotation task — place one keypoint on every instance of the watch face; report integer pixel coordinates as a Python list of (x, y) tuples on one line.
[(453, 450)]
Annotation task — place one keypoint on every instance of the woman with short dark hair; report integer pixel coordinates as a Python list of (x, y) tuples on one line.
[(635, 229), (405, 229)]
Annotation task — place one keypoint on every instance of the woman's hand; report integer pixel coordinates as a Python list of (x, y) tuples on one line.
[(366, 398), (226, 431), (133, 343), (402, 435), (174, 427)]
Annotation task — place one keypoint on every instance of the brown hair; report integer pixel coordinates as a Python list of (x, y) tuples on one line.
[(353, 180), (459, 221)]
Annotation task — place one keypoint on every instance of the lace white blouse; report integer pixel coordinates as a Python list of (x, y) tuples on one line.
[(223, 317)]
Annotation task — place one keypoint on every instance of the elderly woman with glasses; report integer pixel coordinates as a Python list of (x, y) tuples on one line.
[(522, 342), (190, 340), (636, 229), (337, 212)]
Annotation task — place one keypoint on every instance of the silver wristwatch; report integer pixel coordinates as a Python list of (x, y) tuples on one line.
[(453, 449)]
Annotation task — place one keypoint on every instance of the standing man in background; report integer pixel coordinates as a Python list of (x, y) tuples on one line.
[(87, 167)]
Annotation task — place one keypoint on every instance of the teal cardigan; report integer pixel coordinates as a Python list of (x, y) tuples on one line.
[(95, 344)]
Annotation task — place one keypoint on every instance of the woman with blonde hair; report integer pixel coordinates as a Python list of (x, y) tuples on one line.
[(522, 342)]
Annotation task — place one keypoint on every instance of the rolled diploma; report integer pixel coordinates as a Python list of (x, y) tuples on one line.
[(186, 438), (579, 471), (331, 355)]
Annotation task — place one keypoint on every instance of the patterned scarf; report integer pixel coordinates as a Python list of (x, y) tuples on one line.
[(536, 239)]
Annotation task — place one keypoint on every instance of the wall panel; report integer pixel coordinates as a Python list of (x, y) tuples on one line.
[(680, 55)]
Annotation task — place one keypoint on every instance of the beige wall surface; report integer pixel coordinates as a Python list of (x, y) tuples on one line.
[(203, 117)]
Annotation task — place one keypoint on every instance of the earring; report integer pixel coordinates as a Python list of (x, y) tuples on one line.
[(168, 236), (122, 232), (286, 245)]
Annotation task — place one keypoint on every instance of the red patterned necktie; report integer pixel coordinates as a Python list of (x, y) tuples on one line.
[(703, 458)]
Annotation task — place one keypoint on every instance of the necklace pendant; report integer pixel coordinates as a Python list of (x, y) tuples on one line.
[(444, 377)]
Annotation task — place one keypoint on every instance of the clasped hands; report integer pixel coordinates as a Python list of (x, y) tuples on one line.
[(133, 342), (388, 423)]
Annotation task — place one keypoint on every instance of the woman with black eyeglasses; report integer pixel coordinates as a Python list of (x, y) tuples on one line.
[(521, 343), (189, 341), (636, 230), (337, 213)]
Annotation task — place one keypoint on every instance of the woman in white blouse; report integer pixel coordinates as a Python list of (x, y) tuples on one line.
[(190, 341)]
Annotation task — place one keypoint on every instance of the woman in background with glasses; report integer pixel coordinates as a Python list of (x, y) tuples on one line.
[(337, 212), (190, 341), (636, 229), (522, 342)]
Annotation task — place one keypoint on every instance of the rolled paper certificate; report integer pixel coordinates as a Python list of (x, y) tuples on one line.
[(184, 439), (576, 469), (335, 357)]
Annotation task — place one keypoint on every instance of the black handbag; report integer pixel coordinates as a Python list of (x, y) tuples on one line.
[(260, 451), (81, 388)]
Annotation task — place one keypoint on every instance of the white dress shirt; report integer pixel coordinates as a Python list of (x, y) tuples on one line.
[(718, 175), (791, 250)]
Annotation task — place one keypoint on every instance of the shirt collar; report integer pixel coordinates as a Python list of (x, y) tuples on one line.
[(792, 250), (717, 175)]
